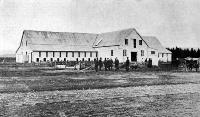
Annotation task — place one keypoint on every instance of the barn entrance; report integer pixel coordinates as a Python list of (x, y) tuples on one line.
[(133, 56)]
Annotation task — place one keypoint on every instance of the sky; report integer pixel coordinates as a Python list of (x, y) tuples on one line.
[(173, 22)]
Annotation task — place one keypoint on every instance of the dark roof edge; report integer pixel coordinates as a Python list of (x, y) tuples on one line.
[(64, 51), (118, 30), (96, 39), (20, 42), (104, 46), (57, 32), (142, 38), (78, 32)]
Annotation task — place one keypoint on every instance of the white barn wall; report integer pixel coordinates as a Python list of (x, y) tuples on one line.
[(19, 56), (105, 52), (23, 52), (169, 57), (35, 55), (163, 57), (166, 58), (154, 57), (118, 50), (130, 47)]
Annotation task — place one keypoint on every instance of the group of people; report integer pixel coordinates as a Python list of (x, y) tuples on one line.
[(108, 64), (190, 64)]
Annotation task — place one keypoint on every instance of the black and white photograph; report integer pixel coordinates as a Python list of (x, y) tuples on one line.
[(99, 58)]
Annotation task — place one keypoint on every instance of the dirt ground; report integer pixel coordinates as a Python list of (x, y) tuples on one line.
[(61, 93)]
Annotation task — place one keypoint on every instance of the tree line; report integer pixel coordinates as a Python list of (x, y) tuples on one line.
[(184, 52)]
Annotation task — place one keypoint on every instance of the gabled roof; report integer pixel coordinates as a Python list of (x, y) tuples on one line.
[(154, 43), (112, 38), (59, 41), (69, 41)]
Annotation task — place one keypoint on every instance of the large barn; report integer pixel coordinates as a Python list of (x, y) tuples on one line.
[(43, 46)]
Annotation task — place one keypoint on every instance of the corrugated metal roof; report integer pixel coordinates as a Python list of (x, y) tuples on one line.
[(154, 43)]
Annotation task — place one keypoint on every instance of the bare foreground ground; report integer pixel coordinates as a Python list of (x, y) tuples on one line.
[(60, 93)]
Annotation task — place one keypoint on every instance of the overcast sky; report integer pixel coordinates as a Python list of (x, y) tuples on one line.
[(173, 22)]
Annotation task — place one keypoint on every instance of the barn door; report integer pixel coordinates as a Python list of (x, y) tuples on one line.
[(133, 56)]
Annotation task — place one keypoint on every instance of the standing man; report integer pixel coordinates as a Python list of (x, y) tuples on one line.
[(100, 64), (108, 64), (96, 64), (150, 63), (105, 64), (127, 64), (111, 64), (116, 64)]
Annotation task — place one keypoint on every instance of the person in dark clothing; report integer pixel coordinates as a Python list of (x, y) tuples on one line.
[(100, 64), (116, 64), (96, 64), (145, 62), (150, 63), (196, 66), (191, 65), (111, 64), (105, 64), (127, 64), (108, 64)]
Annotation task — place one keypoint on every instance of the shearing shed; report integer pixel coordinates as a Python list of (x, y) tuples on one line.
[(43, 46)]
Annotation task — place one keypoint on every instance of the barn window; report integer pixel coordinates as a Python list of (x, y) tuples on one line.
[(39, 54), (58, 59), (88, 59), (37, 59), (26, 43), (66, 54), (72, 54), (124, 52), (53, 54), (64, 59), (79, 54), (46, 54), (111, 53), (140, 42), (134, 43), (77, 59), (90, 54), (26, 53), (126, 41), (162, 54), (82, 59), (44, 59), (85, 54), (60, 54), (153, 52), (142, 52), (96, 54), (51, 59)]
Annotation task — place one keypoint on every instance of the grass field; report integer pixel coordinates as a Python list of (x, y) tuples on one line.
[(26, 80), (49, 92)]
